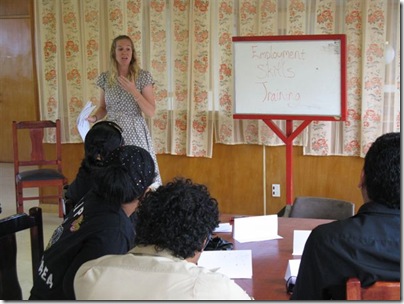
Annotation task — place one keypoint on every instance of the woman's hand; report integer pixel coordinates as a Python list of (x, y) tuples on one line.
[(129, 86), (91, 118), (144, 99)]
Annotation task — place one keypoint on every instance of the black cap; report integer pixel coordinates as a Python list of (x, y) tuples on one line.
[(138, 163)]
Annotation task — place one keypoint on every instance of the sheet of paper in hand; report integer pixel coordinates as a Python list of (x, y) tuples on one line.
[(82, 124)]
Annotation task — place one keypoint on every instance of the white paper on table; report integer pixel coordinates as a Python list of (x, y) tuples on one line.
[(256, 228), (236, 264), (82, 124), (223, 227), (299, 240), (292, 269)]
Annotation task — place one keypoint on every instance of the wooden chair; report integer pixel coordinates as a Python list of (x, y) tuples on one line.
[(321, 208), (48, 166), (379, 291), (10, 288)]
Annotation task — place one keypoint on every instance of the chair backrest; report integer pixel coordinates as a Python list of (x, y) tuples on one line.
[(379, 291), (35, 131), (10, 288), (321, 208)]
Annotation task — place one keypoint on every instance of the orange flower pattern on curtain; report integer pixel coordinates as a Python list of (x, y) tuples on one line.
[(187, 46)]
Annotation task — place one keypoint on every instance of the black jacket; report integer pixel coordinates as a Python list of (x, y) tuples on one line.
[(93, 229), (80, 185), (366, 246)]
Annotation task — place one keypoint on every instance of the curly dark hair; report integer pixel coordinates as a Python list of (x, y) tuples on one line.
[(178, 216), (383, 170)]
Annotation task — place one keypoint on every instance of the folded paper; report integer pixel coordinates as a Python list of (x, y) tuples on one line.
[(299, 240), (256, 228), (223, 227), (292, 269)]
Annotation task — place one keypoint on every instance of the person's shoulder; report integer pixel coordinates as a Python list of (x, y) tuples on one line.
[(144, 73), (107, 261), (102, 75), (102, 78), (331, 228), (378, 209), (369, 214), (340, 230), (96, 208), (145, 78)]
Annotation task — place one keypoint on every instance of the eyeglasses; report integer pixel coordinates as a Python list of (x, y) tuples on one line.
[(290, 284), (208, 239)]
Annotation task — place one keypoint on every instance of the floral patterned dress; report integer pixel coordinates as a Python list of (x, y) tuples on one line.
[(124, 110)]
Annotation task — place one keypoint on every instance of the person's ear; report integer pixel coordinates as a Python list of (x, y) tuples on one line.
[(144, 193)]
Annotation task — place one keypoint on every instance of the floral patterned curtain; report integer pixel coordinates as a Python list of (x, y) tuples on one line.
[(372, 105), (187, 46)]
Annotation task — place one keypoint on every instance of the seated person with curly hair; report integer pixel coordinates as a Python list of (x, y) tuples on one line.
[(173, 227)]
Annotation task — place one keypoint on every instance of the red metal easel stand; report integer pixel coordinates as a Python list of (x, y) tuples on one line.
[(288, 140)]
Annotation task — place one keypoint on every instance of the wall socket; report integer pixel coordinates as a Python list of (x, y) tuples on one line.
[(276, 190)]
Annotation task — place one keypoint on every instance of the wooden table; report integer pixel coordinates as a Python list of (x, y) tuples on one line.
[(270, 258)]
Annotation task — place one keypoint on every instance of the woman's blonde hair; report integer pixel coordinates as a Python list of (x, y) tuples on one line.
[(133, 65)]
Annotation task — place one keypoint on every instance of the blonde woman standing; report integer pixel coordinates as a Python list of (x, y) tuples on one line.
[(126, 94)]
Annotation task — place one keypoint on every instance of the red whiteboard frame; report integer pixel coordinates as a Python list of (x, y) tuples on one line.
[(343, 85)]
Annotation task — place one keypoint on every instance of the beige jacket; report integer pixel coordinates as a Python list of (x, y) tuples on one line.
[(144, 274)]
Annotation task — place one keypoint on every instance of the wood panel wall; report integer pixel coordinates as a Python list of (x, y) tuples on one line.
[(235, 173), (18, 87)]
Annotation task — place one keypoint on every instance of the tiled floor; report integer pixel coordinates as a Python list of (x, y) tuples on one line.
[(50, 221)]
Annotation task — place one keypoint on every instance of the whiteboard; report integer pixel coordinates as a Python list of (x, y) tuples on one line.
[(290, 76)]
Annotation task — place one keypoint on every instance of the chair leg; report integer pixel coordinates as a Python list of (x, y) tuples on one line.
[(19, 200), (10, 288), (61, 203), (61, 214)]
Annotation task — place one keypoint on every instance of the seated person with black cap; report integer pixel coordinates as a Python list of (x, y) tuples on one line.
[(99, 224)]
